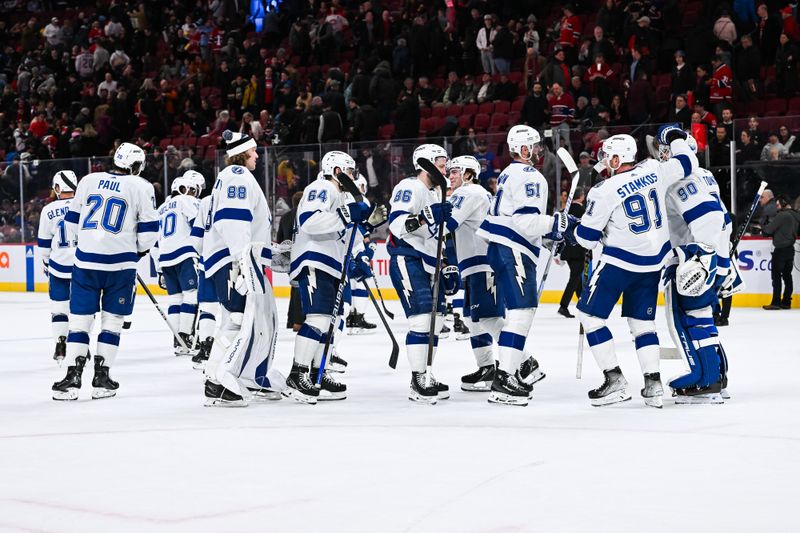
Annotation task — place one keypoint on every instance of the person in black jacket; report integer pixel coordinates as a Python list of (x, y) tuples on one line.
[(534, 109), (296, 317), (783, 228), (406, 119), (574, 255), (365, 121)]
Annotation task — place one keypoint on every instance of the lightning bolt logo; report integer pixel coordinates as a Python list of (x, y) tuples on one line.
[(401, 262), (593, 281), (520, 271), (490, 285), (312, 283)]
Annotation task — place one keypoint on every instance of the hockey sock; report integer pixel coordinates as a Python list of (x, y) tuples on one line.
[(511, 342), (458, 304), (207, 320), (601, 342), (59, 318), (646, 341), (174, 310), (417, 342), (310, 340), (108, 339), (188, 311), (78, 337), (359, 297)]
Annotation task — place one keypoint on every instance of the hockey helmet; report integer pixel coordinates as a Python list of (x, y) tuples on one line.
[(66, 180), (623, 146), (196, 179), (464, 163), (521, 136), (181, 185), (431, 152), (336, 159), (129, 157)]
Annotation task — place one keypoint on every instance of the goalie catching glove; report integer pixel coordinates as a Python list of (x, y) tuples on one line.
[(693, 270), (247, 274), (376, 218)]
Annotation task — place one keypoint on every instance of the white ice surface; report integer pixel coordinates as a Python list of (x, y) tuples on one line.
[(154, 459)]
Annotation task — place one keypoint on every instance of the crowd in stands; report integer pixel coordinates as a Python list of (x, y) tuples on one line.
[(78, 77)]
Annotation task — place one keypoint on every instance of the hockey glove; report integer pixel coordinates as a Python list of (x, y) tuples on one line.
[(563, 228), (46, 269), (451, 280), (732, 282), (359, 268), (376, 218), (355, 212), (281, 256), (162, 282), (437, 213), (669, 132), (369, 250)]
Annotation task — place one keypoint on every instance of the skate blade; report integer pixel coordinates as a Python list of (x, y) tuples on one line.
[(418, 398), (534, 377), (463, 336), (506, 399), (335, 367), (700, 399), (615, 397), (725, 394), (299, 397), (219, 402), (654, 401), (267, 396), (327, 396), (443, 395), (99, 394), (478, 386), (69, 395)]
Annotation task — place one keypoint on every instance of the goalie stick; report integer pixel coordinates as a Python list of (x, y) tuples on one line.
[(161, 312), (439, 181)]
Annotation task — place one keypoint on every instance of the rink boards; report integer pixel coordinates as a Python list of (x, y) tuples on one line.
[(21, 270)]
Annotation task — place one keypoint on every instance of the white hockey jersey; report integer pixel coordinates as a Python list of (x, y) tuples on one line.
[(176, 218), (626, 212), (410, 197), (112, 216), (238, 215), (199, 227), (470, 208), (517, 217), (57, 250), (694, 214), (320, 238)]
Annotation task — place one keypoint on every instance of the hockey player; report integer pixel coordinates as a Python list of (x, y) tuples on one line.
[(356, 323), (236, 247), (325, 217), (626, 213), (58, 255), (699, 228), (176, 260), (114, 221), (515, 226), (416, 212)]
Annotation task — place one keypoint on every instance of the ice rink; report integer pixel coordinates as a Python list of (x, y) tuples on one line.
[(154, 459)]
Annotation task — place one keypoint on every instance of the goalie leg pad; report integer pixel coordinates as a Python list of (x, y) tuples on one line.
[(694, 333), (601, 342)]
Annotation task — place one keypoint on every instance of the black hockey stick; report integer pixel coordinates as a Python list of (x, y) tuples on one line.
[(350, 187), (161, 312), (587, 266), (743, 227), (439, 181), (395, 346), (380, 294)]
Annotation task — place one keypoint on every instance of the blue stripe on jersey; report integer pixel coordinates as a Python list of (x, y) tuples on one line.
[(699, 210), (147, 227), (728, 218), (634, 259), (394, 214), (509, 234), (527, 210), (398, 246), (44, 243), (319, 258), (176, 254), (723, 262), (197, 231), (232, 213), (216, 257), (191, 223), (305, 216), (474, 261), (685, 163), (106, 259), (60, 268), (452, 225), (588, 234), (73, 217)]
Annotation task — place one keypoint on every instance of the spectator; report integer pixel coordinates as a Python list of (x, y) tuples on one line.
[(748, 68), (720, 85), (505, 90), (641, 99), (53, 33), (486, 159), (503, 48), (767, 209), (720, 148), (401, 58), (706, 117), (727, 121), (531, 37), (791, 147), (452, 93), (724, 28), (108, 84), (790, 27), (747, 151), (535, 108), (786, 66), (682, 75), (331, 126), (570, 33), (38, 126), (755, 133), (486, 91), (578, 90), (469, 93), (574, 256), (407, 117), (617, 112), (561, 108), (365, 121), (601, 45), (382, 90), (766, 35), (680, 112), (773, 150), (425, 91), (483, 42), (784, 230), (702, 80), (556, 71)]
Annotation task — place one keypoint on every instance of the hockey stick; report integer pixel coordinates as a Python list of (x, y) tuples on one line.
[(439, 181), (380, 294), (587, 267), (350, 187), (161, 312), (743, 227), (395, 346)]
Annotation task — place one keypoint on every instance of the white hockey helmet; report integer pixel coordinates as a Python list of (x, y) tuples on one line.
[(181, 185), (361, 183), (622, 146), (196, 179), (431, 152), (520, 136), (336, 159), (129, 157), (464, 163), (66, 180)]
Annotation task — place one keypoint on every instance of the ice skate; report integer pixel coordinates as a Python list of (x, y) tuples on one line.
[(507, 390), (188, 341), (445, 332), (357, 324), (204, 351), (461, 329), (61, 350), (68, 388), (300, 387), (260, 394), (529, 371), (613, 390), (653, 392), (479, 381), (219, 396), (442, 390), (710, 395), (335, 363), (419, 392), (449, 316), (329, 389), (102, 384)]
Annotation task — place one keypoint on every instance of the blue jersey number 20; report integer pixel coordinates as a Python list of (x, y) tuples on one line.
[(113, 213), (636, 209)]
